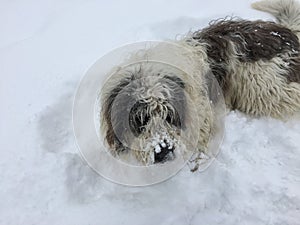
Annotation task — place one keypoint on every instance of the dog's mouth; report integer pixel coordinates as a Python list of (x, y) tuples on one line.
[(163, 153), (163, 148)]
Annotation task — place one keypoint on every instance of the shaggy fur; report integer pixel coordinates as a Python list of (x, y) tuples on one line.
[(256, 63), (156, 103)]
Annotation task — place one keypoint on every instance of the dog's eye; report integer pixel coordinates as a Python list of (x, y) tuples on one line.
[(138, 118), (137, 125), (174, 119)]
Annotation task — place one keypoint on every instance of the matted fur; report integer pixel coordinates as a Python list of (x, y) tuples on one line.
[(256, 63), (159, 100)]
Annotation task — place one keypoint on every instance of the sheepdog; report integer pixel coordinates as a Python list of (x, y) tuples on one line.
[(257, 66)]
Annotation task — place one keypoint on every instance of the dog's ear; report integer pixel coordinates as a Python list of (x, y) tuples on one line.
[(107, 105)]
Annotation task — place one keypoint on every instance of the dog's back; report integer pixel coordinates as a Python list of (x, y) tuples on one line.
[(257, 63), (286, 12)]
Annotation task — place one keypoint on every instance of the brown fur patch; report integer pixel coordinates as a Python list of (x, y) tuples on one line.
[(253, 41), (294, 69)]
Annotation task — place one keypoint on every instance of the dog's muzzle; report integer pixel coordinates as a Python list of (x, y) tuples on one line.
[(164, 149), (163, 152)]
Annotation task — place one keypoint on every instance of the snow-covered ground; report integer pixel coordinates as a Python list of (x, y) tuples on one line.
[(46, 47)]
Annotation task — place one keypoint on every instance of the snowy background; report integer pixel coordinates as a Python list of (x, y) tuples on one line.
[(46, 47)]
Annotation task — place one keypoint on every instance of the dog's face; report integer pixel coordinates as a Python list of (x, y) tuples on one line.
[(144, 110)]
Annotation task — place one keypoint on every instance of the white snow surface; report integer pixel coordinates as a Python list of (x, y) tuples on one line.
[(46, 47)]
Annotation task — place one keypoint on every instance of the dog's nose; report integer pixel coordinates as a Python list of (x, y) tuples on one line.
[(163, 152)]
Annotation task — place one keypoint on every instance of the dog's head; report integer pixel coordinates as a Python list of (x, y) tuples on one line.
[(145, 109)]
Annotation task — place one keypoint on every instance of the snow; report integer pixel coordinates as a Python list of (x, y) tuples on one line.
[(157, 149), (46, 47)]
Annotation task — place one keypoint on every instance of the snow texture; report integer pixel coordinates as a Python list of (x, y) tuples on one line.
[(45, 49)]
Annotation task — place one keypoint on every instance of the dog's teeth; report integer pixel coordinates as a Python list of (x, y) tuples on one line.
[(157, 149)]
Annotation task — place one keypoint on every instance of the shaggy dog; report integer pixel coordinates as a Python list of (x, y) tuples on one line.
[(256, 63)]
